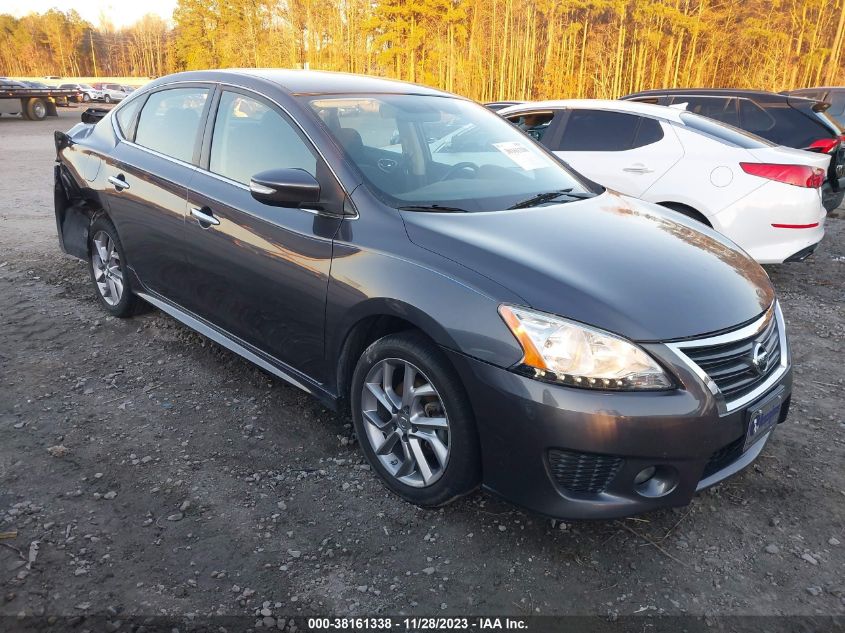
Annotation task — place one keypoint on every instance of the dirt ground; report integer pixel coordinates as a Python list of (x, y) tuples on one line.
[(190, 482)]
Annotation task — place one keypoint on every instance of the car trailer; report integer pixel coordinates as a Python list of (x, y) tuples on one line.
[(33, 104)]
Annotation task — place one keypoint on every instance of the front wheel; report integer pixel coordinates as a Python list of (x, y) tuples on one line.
[(86, 98), (413, 420), (107, 99), (108, 270)]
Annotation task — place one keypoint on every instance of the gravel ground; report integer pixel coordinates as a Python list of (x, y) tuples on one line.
[(145, 470)]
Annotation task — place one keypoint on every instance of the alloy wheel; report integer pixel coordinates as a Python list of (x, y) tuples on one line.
[(406, 422), (108, 273), (39, 110)]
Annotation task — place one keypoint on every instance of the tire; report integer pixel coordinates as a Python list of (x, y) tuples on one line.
[(86, 97), (107, 265), (438, 395), (36, 109), (107, 99)]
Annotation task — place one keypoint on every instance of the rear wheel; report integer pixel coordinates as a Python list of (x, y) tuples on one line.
[(107, 99), (413, 420), (108, 270), (36, 109)]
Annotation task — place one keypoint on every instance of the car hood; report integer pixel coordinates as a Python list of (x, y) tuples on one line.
[(613, 262)]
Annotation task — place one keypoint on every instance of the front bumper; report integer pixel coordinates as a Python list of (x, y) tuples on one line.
[(533, 432)]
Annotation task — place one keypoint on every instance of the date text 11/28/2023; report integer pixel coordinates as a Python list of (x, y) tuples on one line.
[(417, 624)]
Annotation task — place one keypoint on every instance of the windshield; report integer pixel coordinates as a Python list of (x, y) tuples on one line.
[(437, 153)]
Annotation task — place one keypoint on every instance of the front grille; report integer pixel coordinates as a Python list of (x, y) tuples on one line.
[(730, 365), (583, 472), (724, 457)]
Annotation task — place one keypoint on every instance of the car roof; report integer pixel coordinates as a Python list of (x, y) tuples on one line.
[(814, 88), (633, 107), (308, 82), (727, 92)]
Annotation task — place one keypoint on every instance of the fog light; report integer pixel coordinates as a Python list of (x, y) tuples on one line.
[(644, 475), (656, 481)]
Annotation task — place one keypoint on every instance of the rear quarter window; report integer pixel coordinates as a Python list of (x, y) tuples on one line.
[(649, 131), (125, 116)]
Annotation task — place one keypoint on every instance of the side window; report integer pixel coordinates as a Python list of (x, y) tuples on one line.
[(250, 137), (599, 131), (170, 120), (534, 124), (650, 131), (754, 118), (720, 108), (125, 114), (836, 98)]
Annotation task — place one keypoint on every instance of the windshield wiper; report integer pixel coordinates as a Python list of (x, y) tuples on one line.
[(433, 207), (548, 196)]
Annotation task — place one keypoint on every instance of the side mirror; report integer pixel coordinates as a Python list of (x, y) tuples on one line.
[(93, 115), (284, 187)]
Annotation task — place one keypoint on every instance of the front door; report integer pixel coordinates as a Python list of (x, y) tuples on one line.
[(260, 272)]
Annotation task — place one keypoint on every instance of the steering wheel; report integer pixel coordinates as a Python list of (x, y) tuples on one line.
[(455, 169)]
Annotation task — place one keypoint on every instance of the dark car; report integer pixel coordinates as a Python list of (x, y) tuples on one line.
[(833, 95), (489, 318), (782, 119)]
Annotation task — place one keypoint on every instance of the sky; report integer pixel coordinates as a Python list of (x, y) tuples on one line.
[(119, 12)]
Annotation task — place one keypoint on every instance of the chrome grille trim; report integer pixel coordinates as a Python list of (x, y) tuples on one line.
[(746, 332)]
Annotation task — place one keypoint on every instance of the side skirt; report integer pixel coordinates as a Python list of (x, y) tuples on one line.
[(247, 351)]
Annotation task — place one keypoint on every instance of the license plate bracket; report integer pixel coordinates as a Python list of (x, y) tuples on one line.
[(762, 417)]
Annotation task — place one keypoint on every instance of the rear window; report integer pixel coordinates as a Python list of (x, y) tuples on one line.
[(723, 132), (753, 118), (796, 125)]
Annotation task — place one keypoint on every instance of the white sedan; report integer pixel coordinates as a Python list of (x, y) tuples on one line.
[(764, 197)]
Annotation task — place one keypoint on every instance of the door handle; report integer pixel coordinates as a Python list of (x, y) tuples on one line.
[(637, 169), (119, 182), (204, 216)]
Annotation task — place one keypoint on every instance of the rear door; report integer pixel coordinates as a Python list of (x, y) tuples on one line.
[(624, 151), (260, 272), (146, 182)]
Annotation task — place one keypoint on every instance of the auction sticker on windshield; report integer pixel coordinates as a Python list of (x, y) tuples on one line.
[(521, 155)]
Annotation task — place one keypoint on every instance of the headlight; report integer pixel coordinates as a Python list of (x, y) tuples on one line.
[(580, 356)]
